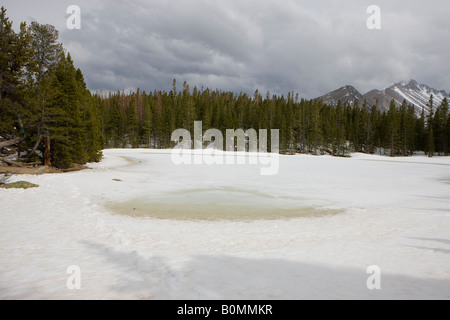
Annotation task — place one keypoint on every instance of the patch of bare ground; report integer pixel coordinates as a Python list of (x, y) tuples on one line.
[(37, 170)]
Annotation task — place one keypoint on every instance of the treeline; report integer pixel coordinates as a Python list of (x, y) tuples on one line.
[(43, 98), (143, 119)]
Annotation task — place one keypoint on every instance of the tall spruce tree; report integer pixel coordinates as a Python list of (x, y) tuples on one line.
[(440, 121), (394, 129), (47, 52), (430, 132), (15, 57)]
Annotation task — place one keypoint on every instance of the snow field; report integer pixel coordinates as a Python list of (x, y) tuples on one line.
[(394, 213)]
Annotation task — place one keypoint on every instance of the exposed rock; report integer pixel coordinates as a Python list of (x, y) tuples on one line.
[(19, 185)]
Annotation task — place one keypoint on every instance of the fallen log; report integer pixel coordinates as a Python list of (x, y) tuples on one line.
[(11, 163), (8, 143)]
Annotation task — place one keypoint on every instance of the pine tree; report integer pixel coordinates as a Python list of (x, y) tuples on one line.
[(47, 53), (132, 125), (420, 132), (340, 147), (430, 134), (47, 50), (57, 140), (448, 133), (15, 57), (394, 129), (72, 127), (372, 129), (315, 128), (441, 124)]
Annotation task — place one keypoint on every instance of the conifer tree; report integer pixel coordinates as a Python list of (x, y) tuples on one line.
[(430, 132), (15, 57), (394, 129), (441, 127)]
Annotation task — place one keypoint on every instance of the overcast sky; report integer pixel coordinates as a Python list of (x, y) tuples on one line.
[(309, 47)]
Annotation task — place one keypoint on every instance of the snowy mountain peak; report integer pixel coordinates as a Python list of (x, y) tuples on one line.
[(347, 94), (415, 94), (410, 90), (402, 83), (407, 83)]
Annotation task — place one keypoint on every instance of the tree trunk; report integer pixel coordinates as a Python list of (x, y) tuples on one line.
[(20, 122), (35, 147), (47, 151), (19, 151)]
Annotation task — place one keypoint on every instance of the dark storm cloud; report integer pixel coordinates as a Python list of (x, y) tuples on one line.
[(310, 47)]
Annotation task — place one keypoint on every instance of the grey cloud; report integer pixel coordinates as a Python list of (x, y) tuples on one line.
[(310, 47)]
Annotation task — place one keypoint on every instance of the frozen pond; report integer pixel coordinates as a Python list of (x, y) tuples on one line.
[(226, 203)]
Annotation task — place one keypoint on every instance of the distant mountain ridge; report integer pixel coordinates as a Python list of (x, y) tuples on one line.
[(347, 94), (411, 91)]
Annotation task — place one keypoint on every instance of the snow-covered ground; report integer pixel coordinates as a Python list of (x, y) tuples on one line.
[(354, 213)]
